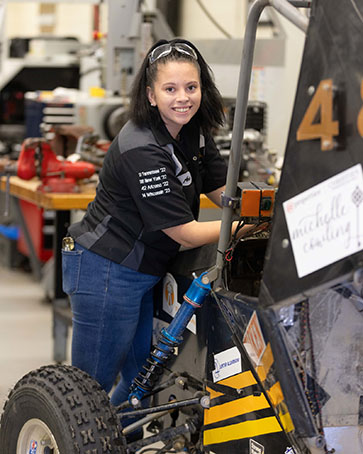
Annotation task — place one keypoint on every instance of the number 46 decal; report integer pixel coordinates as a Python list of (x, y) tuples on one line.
[(326, 128), (318, 122)]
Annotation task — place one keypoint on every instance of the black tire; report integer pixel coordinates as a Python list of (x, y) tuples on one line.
[(61, 410)]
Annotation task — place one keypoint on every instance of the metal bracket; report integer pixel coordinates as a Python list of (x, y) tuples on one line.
[(210, 275), (230, 202)]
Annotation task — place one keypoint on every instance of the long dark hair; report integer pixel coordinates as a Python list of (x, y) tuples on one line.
[(210, 114)]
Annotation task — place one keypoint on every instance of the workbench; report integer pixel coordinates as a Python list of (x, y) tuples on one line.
[(62, 204)]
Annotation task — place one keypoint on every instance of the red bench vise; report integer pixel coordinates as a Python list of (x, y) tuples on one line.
[(38, 159)]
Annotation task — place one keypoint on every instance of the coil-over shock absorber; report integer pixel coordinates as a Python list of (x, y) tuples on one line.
[(169, 338)]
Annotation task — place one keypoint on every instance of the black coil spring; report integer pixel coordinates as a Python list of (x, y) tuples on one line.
[(154, 366)]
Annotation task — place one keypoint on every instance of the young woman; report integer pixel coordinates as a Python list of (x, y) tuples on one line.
[(146, 206)]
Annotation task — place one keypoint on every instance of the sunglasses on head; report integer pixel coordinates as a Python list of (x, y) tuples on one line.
[(165, 49)]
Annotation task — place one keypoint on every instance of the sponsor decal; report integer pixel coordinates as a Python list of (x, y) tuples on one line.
[(170, 300), (33, 447), (325, 222), (227, 363), (290, 451), (253, 339), (256, 448)]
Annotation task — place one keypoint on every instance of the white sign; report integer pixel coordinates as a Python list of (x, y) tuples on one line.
[(325, 222), (170, 300), (227, 363)]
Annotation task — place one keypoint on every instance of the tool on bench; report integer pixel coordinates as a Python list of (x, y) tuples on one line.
[(38, 159)]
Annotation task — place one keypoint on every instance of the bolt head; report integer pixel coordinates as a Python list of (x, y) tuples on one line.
[(311, 90), (326, 144), (205, 401)]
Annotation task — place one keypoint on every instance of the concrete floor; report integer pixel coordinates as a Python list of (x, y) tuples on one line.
[(25, 328)]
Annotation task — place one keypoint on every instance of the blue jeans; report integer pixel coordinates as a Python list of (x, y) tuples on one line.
[(112, 318)]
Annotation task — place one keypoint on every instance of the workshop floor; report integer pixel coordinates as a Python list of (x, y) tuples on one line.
[(25, 328)]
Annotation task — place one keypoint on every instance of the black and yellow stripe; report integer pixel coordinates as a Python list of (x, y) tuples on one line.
[(273, 388), (249, 416)]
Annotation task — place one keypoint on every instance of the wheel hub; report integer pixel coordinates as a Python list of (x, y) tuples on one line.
[(35, 437)]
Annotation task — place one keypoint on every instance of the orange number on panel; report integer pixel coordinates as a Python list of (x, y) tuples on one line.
[(360, 115), (326, 128)]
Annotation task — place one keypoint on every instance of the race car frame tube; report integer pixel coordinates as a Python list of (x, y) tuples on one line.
[(293, 15)]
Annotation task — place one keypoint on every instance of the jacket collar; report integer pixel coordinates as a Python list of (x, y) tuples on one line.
[(160, 132), (163, 136)]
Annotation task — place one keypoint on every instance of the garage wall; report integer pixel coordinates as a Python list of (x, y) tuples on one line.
[(72, 19), (23, 19)]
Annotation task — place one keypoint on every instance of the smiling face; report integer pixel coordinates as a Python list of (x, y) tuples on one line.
[(177, 93)]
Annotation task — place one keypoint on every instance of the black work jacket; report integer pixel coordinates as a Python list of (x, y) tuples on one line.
[(148, 182)]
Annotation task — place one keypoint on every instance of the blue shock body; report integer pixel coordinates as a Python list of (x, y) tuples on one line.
[(169, 338)]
